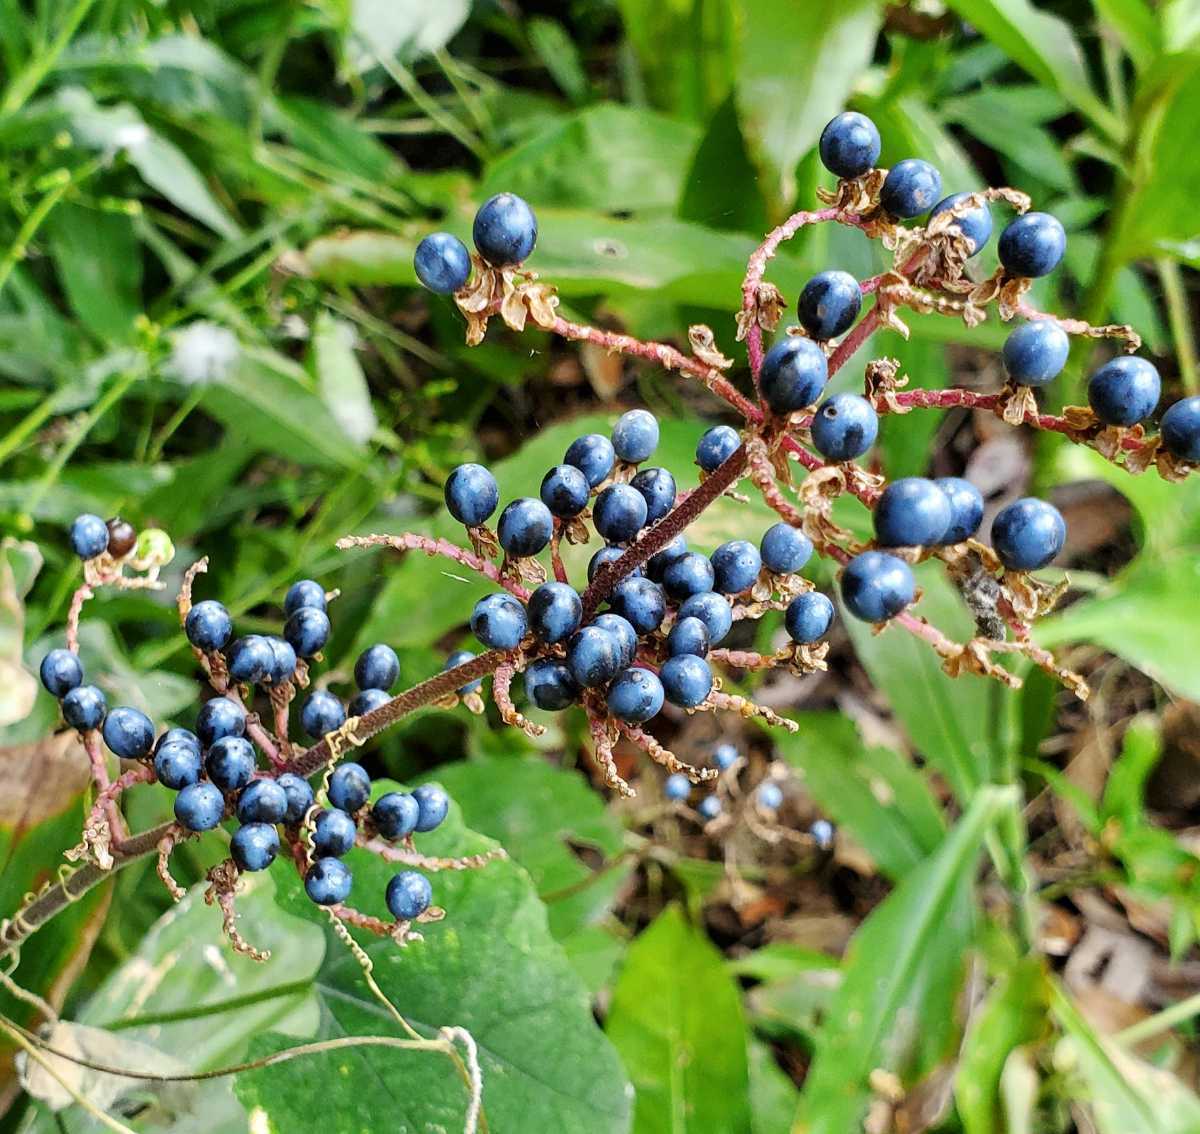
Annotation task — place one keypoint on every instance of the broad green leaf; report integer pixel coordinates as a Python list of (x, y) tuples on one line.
[(896, 1007), (340, 380), (559, 55), (873, 793), (1141, 748), (1137, 25), (491, 967), (792, 1009), (20, 562), (732, 201), (779, 960), (772, 1093), (906, 440), (405, 29), (676, 1018)]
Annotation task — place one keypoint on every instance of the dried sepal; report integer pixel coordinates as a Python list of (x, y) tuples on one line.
[(704, 347), (975, 657), (523, 568), (765, 311), (483, 541), (1029, 596), (1016, 404), (805, 658), (856, 194)]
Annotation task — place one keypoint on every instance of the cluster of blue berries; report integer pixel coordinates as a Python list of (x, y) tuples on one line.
[(505, 231)]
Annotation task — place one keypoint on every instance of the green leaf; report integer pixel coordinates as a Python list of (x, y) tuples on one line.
[(676, 1018), (772, 1094), (405, 29), (732, 201), (1138, 27), (796, 66), (896, 1006), (340, 380), (559, 54), (491, 967), (20, 562), (1141, 748), (906, 441)]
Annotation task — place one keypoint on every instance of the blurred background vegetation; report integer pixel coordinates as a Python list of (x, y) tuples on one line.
[(208, 322)]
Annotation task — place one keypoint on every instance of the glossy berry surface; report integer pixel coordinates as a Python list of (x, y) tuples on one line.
[(602, 556), (877, 586), (128, 733), (89, 536), (499, 621), (307, 631), (657, 487), (658, 563), (1032, 245), (283, 661), (199, 807), (640, 602), (208, 625), (822, 833), (60, 672), (333, 833), (828, 305), (84, 707), (254, 846), (328, 882), (349, 786), (1028, 534), (122, 537), (251, 658), (621, 632), (178, 736), (736, 565), (769, 796), (377, 667), (784, 549), (725, 756), (554, 611), (808, 617), (525, 527), (549, 684), (844, 427), (686, 680), (442, 263), (593, 455), (299, 795), (635, 436), (619, 513), (177, 765), (709, 807), (1036, 352), (262, 801), (409, 895), (677, 787), (321, 713), (593, 656), (230, 763), (565, 491), (975, 224), (1124, 390), (688, 636), (1180, 428), (635, 696), (471, 494), (713, 610), (690, 574), (912, 187), (395, 814), (849, 144), (912, 512), (966, 508), (367, 702), (794, 373), (505, 230), (220, 717), (433, 804), (304, 592), (716, 446)]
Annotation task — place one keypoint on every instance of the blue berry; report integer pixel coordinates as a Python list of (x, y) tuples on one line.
[(307, 631), (328, 882), (262, 801), (84, 707), (442, 263), (129, 733), (1180, 428), (593, 657), (349, 786), (299, 795), (713, 610), (844, 427), (304, 592), (432, 806), (1124, 390), (199, 806), (499, 621), (687, 636), (555, 611), (208, 625), (686, 680), (602, 556), (505, 230), (1028, 533), (565, 491), (230, 763), (593, 455), (769, 796), (377, 667), (725, 756), (619, 513), (549, 684), (1032, 245), (89, 536), (966, 508), (254, 846), (849, 144), (471, 494), (794, 373), (736, 565), (808, 617), (640, 602), (621, 632), (1036, 352), (395, 814), (877, 586), (822, 833), (677, 787), (251, 658), (716, 446), (409, 895), (658, 563), (709, 807), (912, 512), (177, 765), (61, 671), (635, 696), (784, 549), (333, 833), (461, 657), (975, 224), (178, 736), (367, 702), (635, 436), (218, 718), (283, 664), (911, 188), (690, 574), (525, 527), (657, 487), (828, 305)]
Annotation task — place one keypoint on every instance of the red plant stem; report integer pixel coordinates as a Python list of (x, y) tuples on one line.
[(560, 572), (81, 595), (410, 541), (863, 330)]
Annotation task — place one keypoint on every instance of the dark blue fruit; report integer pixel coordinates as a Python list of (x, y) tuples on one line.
[(549, 684), (565, 491), (877, 586), (220, 717), (657, 487), (1124, 390), (808, 617), (635, 696), (593, 455), (304, 592), (688, 636), (262, 801), (686, 680), (594, 657), (505, 230), (499, 621), (84, 707), (849, 144), (128, 733), (844, 427), (688, 575), (1036, 352), (794, 373), (622, 633), (966, 508), (619, 513), (911, 188), (251, 658), (784, 549), (349, 786), (525, 527), (61, 671), (230, 763), (713, 610), (828, 305), (442, 263), (208, 625), (377, 667), (299, 797), (640, 602), (328, 882), (307, 631), (1032, 245), (635, 436), (736, 565), (176, 765), (716, 446), (409, 895), (199, 806), (555, 611), (254, 846), (975, 224), (89, 536), (432, 806), (367, 702), (912, 512), (471, 494), (1028, 533), (395, 814), (1180, 429), (333, 833)]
